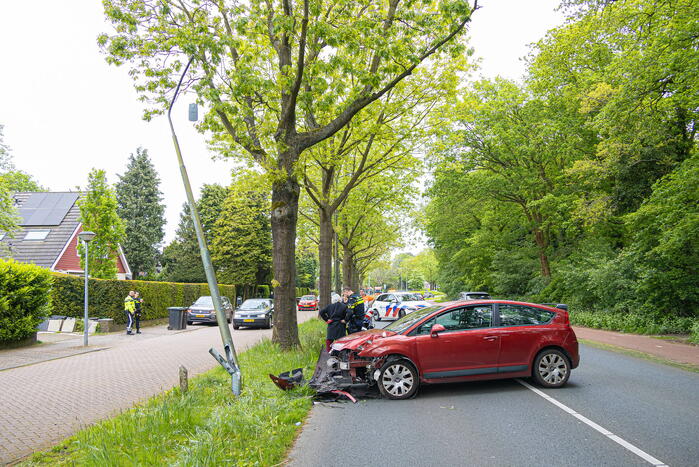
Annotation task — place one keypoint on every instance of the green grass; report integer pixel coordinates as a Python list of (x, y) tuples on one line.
[(637, 354), (207, 425)]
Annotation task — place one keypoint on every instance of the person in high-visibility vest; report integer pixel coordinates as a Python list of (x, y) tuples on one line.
[(355, 304), (129, 310), (138, 303)]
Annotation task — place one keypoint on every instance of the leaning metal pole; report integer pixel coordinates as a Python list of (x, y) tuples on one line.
[(230, 362)]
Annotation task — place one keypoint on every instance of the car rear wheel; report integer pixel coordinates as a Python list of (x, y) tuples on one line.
[(377, 316), (189, 323), (236, 327), (401, 313), (551, 368), (398, 379)]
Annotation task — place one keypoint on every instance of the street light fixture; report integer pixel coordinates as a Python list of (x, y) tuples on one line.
[(86, 237)]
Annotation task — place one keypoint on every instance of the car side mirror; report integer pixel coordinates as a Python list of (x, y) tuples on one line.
[(436, 329)]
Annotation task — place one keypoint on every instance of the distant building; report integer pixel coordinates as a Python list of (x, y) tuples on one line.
[(48, 233)]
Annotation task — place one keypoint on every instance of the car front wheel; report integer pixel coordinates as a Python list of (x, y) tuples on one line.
[(551, 368), (377, 316), (398, 379)]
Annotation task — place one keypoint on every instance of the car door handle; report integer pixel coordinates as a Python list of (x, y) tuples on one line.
[(490, 338)]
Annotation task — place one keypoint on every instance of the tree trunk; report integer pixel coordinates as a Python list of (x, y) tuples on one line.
[(285, 205), (325, 257), (542, 245), (338, 284), (347, 270)]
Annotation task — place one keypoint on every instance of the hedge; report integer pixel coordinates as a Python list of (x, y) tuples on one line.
[(107, 296), (25, 298)]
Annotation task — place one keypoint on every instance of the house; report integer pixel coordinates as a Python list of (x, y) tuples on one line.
[(48, 233)]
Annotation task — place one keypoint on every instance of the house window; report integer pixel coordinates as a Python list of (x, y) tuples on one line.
[(37, 235)]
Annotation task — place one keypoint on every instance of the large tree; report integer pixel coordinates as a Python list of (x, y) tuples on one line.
[(384, 137), (98, 214), (241, 247), (278, 79), (140, 206), (181, 260)]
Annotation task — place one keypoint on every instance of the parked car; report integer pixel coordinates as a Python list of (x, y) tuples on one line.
[(202, 310), (394, 305), (474, 296), (505, 339), (308, 303), (254, 313)]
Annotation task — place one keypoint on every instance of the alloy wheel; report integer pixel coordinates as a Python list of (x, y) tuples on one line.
[(553, 369), (397, 380)]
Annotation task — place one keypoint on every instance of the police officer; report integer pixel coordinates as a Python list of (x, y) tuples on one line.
[(355, 304), (138, 303), (336, 315), (129, 310)]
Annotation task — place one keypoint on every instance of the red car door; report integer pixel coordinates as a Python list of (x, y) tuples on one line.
[(522, 329), (467, 347)]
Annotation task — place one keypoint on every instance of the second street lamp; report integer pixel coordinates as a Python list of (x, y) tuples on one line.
[(86, 237)]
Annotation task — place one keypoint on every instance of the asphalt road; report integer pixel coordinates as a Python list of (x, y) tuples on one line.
[(650, 407)]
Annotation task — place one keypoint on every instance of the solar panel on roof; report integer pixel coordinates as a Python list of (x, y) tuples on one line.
[(46, 208)]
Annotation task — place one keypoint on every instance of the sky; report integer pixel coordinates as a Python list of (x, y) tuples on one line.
[(65, 110)]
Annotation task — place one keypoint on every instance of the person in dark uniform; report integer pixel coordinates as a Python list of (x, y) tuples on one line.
[(336, 315), (138, 302), (355, 305)]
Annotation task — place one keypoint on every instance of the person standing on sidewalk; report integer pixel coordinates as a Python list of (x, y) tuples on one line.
[(129, 310), (138, 303)]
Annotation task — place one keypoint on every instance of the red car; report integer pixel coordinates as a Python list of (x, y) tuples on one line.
[(308, 303), (461, 341)]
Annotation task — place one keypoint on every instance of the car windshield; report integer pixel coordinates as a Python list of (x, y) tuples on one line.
[(204, 301), (409, 297), (408, 320), (308, 297), (254, 305)]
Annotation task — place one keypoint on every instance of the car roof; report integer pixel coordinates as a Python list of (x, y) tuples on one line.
[(491, 301)]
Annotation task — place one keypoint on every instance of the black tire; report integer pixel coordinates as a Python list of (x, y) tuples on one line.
[(189, 323), (398, 379), (236, 327), (377, 315), (401, 313), (551, 368), (228, 318)]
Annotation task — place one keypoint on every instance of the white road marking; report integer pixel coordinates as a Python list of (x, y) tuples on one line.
[(640, 453)]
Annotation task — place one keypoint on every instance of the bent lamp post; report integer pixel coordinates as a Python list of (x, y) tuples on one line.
[(230, 362), (86, 237)]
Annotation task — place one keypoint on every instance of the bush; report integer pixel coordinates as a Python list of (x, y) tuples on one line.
[(635, 322), (25, 298), (107, 296)]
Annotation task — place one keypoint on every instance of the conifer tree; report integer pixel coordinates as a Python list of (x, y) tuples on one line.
[(140, 206)]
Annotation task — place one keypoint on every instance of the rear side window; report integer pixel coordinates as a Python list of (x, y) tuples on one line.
[(520, 315), (382, 298)]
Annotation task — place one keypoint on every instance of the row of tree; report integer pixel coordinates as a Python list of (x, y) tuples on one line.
[(314, 92), (582, 183)]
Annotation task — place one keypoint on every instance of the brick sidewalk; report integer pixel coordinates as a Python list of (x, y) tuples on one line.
[(44, 403), (680, 353)]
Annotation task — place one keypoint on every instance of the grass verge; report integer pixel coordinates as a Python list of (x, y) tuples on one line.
[(207, 425), (637, 354)]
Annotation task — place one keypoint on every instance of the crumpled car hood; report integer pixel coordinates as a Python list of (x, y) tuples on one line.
[(353, 341)]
